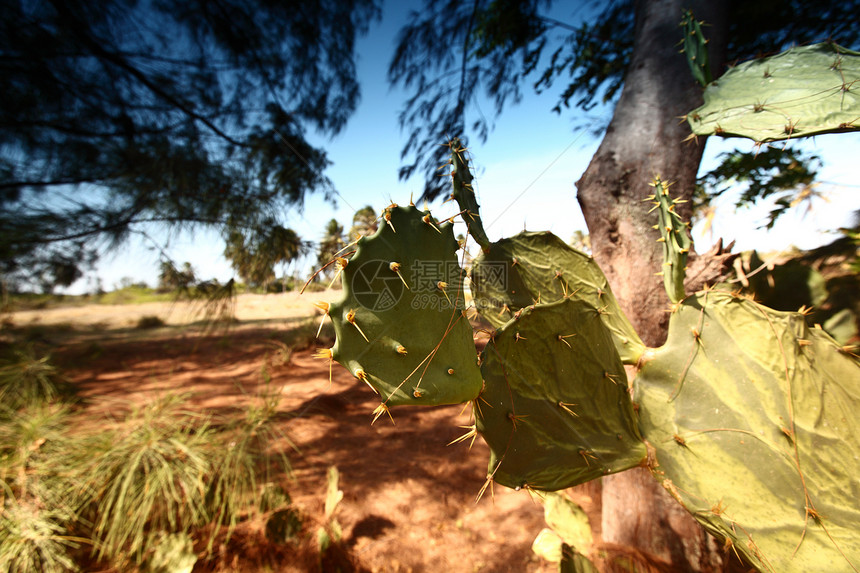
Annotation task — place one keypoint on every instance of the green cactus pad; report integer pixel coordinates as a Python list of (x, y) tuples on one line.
[(568, 536), (397, 329), (464, 193), (754, 422), (555, 408), (803, 91), (696, 48), (539, 267), (675, 238)]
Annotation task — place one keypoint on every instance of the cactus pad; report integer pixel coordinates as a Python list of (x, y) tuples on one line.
[(555, 408), (400, 326), (800, 92), (527, 268), (753, 418)]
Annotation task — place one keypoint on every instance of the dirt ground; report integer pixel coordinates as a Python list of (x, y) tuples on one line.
[(409, 499)]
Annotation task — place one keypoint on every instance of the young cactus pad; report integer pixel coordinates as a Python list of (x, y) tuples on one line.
[(527, 268), (555, 409), (696, 48), (800, 92), (400, 326), (675, 238), (569, 530), (754, 422), (464, 193)]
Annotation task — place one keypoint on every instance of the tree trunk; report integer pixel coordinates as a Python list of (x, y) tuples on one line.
[(646, 139)]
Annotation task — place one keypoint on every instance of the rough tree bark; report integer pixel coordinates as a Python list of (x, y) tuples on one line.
[(644, 139)]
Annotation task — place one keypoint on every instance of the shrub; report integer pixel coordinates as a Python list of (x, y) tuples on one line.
[(149, 321)]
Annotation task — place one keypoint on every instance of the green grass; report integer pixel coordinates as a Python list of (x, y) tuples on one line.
[(149, 474), (38, 508), (250, 461), (134, 295), (141, 489), (34, 538), (27, 378)]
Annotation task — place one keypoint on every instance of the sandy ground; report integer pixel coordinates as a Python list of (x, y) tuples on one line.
[(248, 308)]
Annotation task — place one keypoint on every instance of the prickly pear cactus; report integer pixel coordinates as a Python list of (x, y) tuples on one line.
[(530, 268), (803, 91), (753, 420), (675, 239), (401, 326), (555, 408)]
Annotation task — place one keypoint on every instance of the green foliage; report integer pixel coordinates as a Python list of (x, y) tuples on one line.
[(402, 307), (196, 119), (284, 526), (171, 279), (331, 531), (149, 322), (331, 244), (785, 173), (33, 538), (247, 463), (751, 415), (803, 91), (555, 409), (255, 252), (171, 553), (452, 56), (38, 505), (138, 491), (134, 294), (364, 223)]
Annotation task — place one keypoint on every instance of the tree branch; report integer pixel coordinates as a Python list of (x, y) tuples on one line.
[(122, 63)]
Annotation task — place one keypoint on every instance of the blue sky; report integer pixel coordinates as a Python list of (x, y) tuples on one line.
[(525, 174)]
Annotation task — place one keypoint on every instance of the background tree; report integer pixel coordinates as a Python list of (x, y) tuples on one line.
[(117, 114), (624, 54), (254, 255), (172, 279), (364, 222), (330, 245)]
